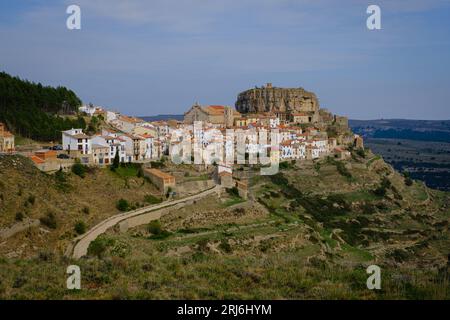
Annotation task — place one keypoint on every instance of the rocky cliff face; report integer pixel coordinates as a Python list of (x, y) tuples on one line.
[(273, 99)]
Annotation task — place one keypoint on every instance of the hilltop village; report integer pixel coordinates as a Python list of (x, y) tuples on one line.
[(306, 132), (110, 197)]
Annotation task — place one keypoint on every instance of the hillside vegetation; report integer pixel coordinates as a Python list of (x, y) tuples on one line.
[(308, 232), (34, 111), (61, 201)]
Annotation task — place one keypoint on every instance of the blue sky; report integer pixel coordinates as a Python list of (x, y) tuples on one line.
[(146, 57)]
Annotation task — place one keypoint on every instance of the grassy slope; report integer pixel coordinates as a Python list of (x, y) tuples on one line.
[(69, 198), (283, 250)]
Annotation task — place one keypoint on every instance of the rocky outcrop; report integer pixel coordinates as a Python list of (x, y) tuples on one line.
[(273, 99)]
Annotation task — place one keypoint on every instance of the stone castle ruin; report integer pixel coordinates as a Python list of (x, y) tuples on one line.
[(277, 100), (294, 105)]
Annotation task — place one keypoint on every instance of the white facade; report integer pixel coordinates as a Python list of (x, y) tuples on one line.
[(115, 144), (89, 110), (76, 140)]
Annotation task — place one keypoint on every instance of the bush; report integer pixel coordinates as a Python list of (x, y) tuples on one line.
[(234, 192), (151, 199), (79, 169), (361, 152), (31, 199), (342, 169), (284, 165), (86, 210), (123, 205), (408, 181), (116, 161), (80, 227), (19, 216), (140, 173), (154, 227), (98, 247), (225, 246), (49, 220), (202, 244), (382, 189)]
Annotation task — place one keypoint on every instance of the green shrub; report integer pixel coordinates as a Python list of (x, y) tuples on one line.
[(361, 152), (408, 181), (49, 220), (382, 189), (140, 172), (19, 216), (31, 199), (202, 244), (98, 246), (80, 227), (234, 192), (342, 169), (284, 165), (279, 179), (123, 205), (79, 169), (154, 227), (225, 246), (116, 161)]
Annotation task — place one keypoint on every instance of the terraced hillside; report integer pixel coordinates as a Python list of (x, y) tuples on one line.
[(308, 232)]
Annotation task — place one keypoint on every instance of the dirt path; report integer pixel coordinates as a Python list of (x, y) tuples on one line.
[(80, 244)]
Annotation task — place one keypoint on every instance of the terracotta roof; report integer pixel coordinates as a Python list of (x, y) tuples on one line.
[(159, 173), (37, 160), (214, 110)]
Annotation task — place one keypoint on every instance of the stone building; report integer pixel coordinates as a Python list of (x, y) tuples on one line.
[(162, 180), (223, 175), (218, 115)]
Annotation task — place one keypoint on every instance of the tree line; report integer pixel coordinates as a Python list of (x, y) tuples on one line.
[(35, 111)]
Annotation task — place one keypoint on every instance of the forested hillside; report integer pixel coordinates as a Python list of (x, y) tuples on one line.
[(34, 111)]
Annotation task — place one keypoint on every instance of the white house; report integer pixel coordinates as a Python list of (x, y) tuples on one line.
[(88, 109), (321, 145), (115, 144), (287, 149), (76, 140)]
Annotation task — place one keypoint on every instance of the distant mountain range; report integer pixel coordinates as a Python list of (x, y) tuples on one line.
[(420, 130), (163, 117)]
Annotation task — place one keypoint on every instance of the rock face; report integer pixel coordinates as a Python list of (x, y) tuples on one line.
[(273, 99)]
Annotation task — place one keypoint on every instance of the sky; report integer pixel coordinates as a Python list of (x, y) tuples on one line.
[(149, 57)]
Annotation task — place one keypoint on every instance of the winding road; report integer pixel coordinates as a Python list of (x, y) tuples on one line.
[(80, 245)]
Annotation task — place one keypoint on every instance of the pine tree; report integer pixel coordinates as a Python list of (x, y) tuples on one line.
[(116, 161)]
